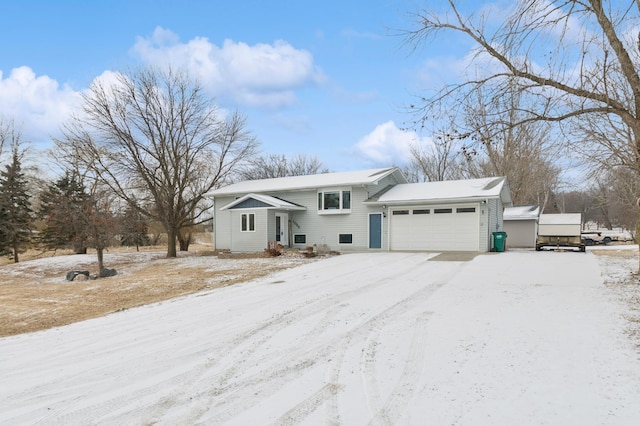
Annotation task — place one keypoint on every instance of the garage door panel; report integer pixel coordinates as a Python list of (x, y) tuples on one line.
[(444, 228)]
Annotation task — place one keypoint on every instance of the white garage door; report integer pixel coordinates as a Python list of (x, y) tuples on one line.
[(435, 228)]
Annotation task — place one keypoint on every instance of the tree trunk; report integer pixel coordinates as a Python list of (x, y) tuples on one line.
[(184, 239), (171, 242), (100, 252), (637, 236), (15, 252)]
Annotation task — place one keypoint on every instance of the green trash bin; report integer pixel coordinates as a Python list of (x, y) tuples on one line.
[(499, 241)]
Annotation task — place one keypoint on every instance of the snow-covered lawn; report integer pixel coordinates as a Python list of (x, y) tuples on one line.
[(515, 338)]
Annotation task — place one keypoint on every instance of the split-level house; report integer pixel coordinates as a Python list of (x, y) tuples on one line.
[(362, 210)]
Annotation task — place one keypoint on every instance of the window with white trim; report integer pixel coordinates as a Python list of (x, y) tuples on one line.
[(248, 221), (334, 201)]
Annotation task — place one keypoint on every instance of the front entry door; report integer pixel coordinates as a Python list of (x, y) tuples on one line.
[(375, 230), (282, 228)]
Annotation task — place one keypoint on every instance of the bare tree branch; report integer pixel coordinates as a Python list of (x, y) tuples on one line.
[(575, 61), (159, 143)]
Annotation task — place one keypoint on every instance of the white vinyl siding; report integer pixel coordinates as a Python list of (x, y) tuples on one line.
[(484, 237), (495, 220), (222, 227), (326, 229), (254, 241)]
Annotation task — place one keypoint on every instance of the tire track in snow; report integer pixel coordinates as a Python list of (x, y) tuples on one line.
[(416, 354), (249, 343), (307, 406), (66, 407), (334, 348), (392, 409), (219, 381), (388, 412)]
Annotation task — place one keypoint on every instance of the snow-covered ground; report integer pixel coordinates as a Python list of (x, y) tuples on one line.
[(520, 337)]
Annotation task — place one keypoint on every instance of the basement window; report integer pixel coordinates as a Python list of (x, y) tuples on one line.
[(345, 238), (300, 239)]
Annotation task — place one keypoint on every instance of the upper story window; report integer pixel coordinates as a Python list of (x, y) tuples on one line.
[(334, 201)]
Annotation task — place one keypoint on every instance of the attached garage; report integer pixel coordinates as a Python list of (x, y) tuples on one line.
[(456, 215), (444, 227)]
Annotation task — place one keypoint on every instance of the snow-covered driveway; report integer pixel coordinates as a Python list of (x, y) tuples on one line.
[(390, 338)]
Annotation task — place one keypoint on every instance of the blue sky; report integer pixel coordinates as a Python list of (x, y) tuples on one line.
[(327, 79)]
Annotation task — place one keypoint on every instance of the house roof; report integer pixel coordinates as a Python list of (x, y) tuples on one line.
[(496, 187), (521, 213), (273, 202), (292, 183)]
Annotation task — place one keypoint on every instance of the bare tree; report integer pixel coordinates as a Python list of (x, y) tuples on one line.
[(100, 222), (621, 187), (574, 59), (498, 146), (439, 160), (159, 143), (78, 213), (274, 166)]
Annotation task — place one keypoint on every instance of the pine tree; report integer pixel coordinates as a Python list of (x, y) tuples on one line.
[(63, 206), (16, 216)]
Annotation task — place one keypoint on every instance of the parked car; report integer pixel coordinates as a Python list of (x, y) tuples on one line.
[(592, 238)]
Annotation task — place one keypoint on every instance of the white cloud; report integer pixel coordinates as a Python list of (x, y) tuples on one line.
[(387, 145), (37, 104), (264, 75)]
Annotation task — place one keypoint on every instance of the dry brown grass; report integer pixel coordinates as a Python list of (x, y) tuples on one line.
[(36, 299), (615, 253)]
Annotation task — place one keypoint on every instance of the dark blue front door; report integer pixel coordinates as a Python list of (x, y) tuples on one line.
[(375, 230)]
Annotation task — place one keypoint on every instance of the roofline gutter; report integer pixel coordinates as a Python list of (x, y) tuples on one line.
[(432, 201)]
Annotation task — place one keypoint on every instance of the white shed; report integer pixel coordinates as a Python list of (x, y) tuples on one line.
[(521, 226)]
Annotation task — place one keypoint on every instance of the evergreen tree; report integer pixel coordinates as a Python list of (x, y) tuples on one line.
[(16, 216), (63, 207)]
